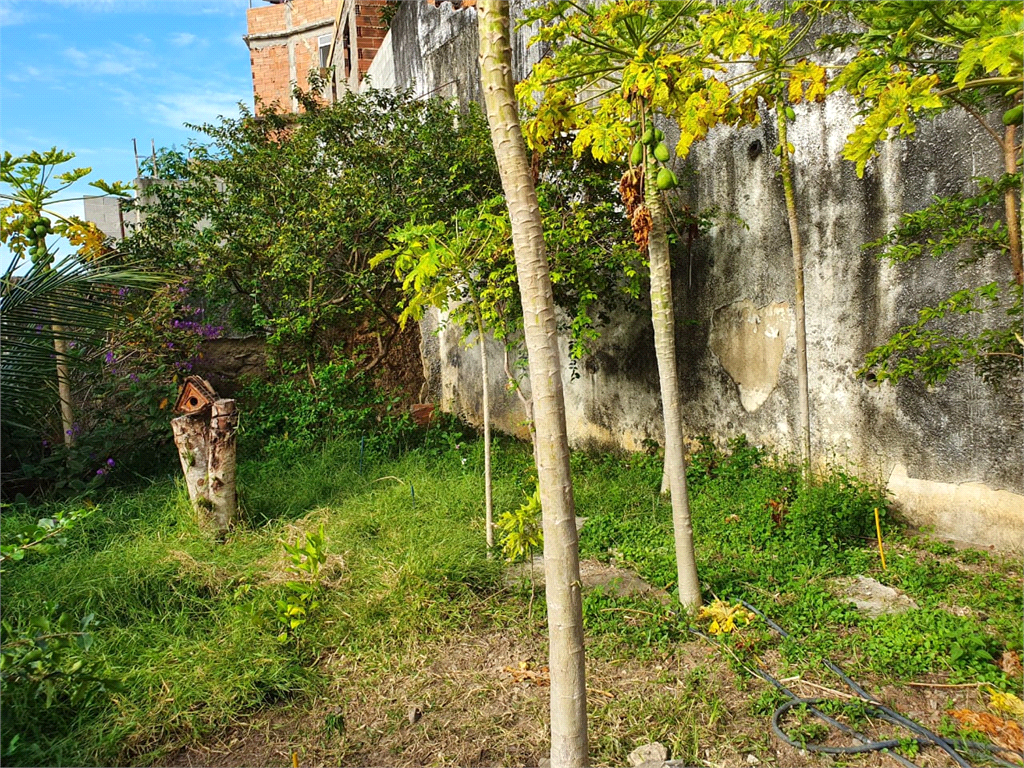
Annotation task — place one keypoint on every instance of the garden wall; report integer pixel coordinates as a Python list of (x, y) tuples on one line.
[(951, 455)]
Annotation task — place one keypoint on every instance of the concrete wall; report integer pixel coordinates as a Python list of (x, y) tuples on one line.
[(951, 455)]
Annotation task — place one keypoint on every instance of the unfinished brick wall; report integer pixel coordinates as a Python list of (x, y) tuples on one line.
[(283, 43), (271, 79)]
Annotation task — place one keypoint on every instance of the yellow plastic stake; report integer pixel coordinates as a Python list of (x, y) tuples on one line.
[(295, 760), (878, 528)]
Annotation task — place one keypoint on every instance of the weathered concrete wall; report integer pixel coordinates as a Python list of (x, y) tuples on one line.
[(950, 454)]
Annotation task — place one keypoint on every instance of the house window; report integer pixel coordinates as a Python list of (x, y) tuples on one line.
[(324, 44)]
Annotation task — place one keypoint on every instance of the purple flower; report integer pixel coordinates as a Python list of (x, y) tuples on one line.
[(101, 471), (134, 378), (109, 357), (170, 345), (39, 328), (110, 462)]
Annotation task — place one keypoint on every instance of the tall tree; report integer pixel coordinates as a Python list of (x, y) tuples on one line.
[(25, 228), (561, 546), (634, 59)]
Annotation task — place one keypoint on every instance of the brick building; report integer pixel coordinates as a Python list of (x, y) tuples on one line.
[(288, 38)]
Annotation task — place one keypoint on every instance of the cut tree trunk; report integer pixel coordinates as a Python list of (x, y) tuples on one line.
[(663, 320), (561, 553), (798, 281), (191, 436), (223, 493)]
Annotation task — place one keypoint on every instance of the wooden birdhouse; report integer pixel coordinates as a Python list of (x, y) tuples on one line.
[(196, 396)]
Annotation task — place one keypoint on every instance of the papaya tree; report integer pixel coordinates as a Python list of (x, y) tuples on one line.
[(914, 60), (29, 230), (455, 272), (779, 78), (561, 546), (614, 69)]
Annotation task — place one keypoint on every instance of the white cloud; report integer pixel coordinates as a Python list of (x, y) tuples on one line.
[(102, 63), (176, 109), (13, 13), (183, 39)]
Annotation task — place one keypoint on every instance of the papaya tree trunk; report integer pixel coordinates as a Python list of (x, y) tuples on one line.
[(663, 320), (561, 553), (488, 488), (798, 281), (67, 411), (1010, 203)]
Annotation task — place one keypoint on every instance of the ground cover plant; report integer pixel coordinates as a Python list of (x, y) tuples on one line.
[(419, 650)]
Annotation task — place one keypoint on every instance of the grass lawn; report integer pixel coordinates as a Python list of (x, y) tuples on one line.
[(421, 653)]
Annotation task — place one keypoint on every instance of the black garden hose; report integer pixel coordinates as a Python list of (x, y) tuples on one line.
[(922, 736), (891, 715)]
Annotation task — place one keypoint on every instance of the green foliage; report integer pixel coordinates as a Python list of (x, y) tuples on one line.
[(333, 400), (42, 536), (929, 641), (936, 344), (466, 267), (277, 218), (48, 659), (307, 554), (53, 313), (521, 530), (921, 57)]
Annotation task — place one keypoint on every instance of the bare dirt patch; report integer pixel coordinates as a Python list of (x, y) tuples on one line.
[(482, 701)]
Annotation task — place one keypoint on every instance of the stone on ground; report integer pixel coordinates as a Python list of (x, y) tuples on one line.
[(872, 597), (648, 755)]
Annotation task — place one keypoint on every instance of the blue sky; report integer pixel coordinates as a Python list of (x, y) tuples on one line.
[(89, 75)]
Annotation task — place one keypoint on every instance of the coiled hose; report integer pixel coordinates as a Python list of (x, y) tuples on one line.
[(922, 735)]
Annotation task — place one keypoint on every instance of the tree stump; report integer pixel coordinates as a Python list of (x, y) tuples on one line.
[(192, 440), (205, 438), (221, 469)]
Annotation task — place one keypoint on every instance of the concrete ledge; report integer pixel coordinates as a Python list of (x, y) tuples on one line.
[(970, 513)]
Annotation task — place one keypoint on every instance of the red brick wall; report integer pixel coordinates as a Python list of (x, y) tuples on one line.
[(270, 75), (270, 67), (370, 31)]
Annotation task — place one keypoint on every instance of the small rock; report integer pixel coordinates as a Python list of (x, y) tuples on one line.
[(752, 760), (648, 753), (414, 714), (872, 597), (652, 764), (544, 763)]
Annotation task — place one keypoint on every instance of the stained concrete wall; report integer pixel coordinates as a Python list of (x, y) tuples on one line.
[(951, 455)]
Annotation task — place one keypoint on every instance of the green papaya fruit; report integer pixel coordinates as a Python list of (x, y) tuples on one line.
[(648, 137), (41, 230), (666, 179), (637, 155), (661, 152), (659, 134), (790, 113), (1014, 116)]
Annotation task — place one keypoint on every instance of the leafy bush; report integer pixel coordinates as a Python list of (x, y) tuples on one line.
[(334, 400)]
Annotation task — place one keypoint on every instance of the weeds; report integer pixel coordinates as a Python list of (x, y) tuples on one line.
[(186, 625)]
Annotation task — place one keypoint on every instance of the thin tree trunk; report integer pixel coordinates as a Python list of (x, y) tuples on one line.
[(561, 553), (798, 279), (223, 494), (488, 490), (67, 412), (1010, 202), (191, 437), (663, 320)]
